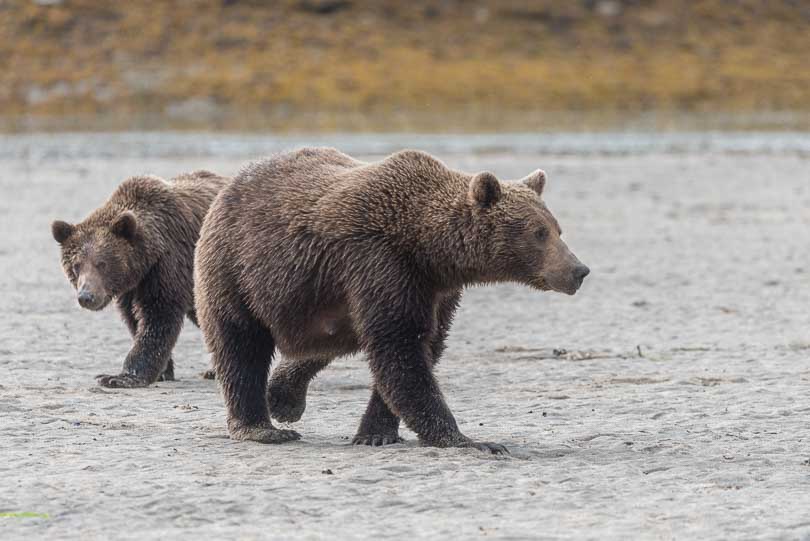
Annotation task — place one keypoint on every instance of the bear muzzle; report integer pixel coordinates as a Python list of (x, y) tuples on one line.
[(567, 281), (91, 298), (92, 301)]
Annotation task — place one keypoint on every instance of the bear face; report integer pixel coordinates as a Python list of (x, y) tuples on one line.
[(100, 259), (528, 247)]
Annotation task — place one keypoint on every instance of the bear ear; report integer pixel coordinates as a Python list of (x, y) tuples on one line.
[(536, 181), (125, 226), (61, 231), (485, 190)]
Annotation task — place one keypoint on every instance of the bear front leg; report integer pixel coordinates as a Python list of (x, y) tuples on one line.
[(127, 310), (398, 343), (157, 330), (287, 391), (379, 426), (445, 311), (408, 387)]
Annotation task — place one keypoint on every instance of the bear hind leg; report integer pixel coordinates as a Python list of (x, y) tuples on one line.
[(242, 354), (287, 390)]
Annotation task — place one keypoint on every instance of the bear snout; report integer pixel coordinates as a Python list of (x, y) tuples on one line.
[(86, 298), (580, 272), (568, 281), (91, 301)]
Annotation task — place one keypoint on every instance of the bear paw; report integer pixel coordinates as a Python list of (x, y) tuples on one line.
[(488, 447), (376, 440), (285, 405), (264, 433), (121, 381), (209, 374), (460, 440)]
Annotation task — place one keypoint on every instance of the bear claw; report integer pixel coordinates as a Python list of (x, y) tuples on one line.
[(376, 440), (120, 381), (209, 374)]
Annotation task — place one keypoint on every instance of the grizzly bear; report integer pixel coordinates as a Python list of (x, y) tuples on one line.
[(138, 249), (318, 255)]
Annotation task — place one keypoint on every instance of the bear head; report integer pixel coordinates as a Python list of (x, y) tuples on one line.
[(100, 256), (522, 234)]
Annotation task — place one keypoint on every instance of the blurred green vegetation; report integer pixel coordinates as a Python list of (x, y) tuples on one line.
[(197, 62)]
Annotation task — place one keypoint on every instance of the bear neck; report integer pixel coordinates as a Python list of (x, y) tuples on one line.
[(457, 242)]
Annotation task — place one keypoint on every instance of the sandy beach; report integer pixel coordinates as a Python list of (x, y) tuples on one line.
[(668, 399)]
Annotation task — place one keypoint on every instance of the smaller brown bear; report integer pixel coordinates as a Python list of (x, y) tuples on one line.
[(138, 249)]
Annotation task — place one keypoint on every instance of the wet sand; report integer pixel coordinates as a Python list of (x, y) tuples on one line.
[(668, 399)]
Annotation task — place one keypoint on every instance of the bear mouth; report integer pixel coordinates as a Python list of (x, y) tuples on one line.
[(568, 289), (541, 284)]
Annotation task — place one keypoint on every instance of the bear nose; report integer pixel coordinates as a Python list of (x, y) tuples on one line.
[(86, 299), (580, 272)]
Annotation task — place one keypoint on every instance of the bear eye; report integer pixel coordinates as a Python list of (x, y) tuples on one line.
[(101, 265), (75, 269), (541, 234)]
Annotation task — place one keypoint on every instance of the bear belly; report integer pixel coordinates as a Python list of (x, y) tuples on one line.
[(329, 333)]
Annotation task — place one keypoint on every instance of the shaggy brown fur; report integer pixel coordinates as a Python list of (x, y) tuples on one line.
[(138, 248), (319, 255)]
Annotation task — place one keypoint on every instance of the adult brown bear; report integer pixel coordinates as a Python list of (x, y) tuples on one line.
[(319, 255), (138, 248)]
